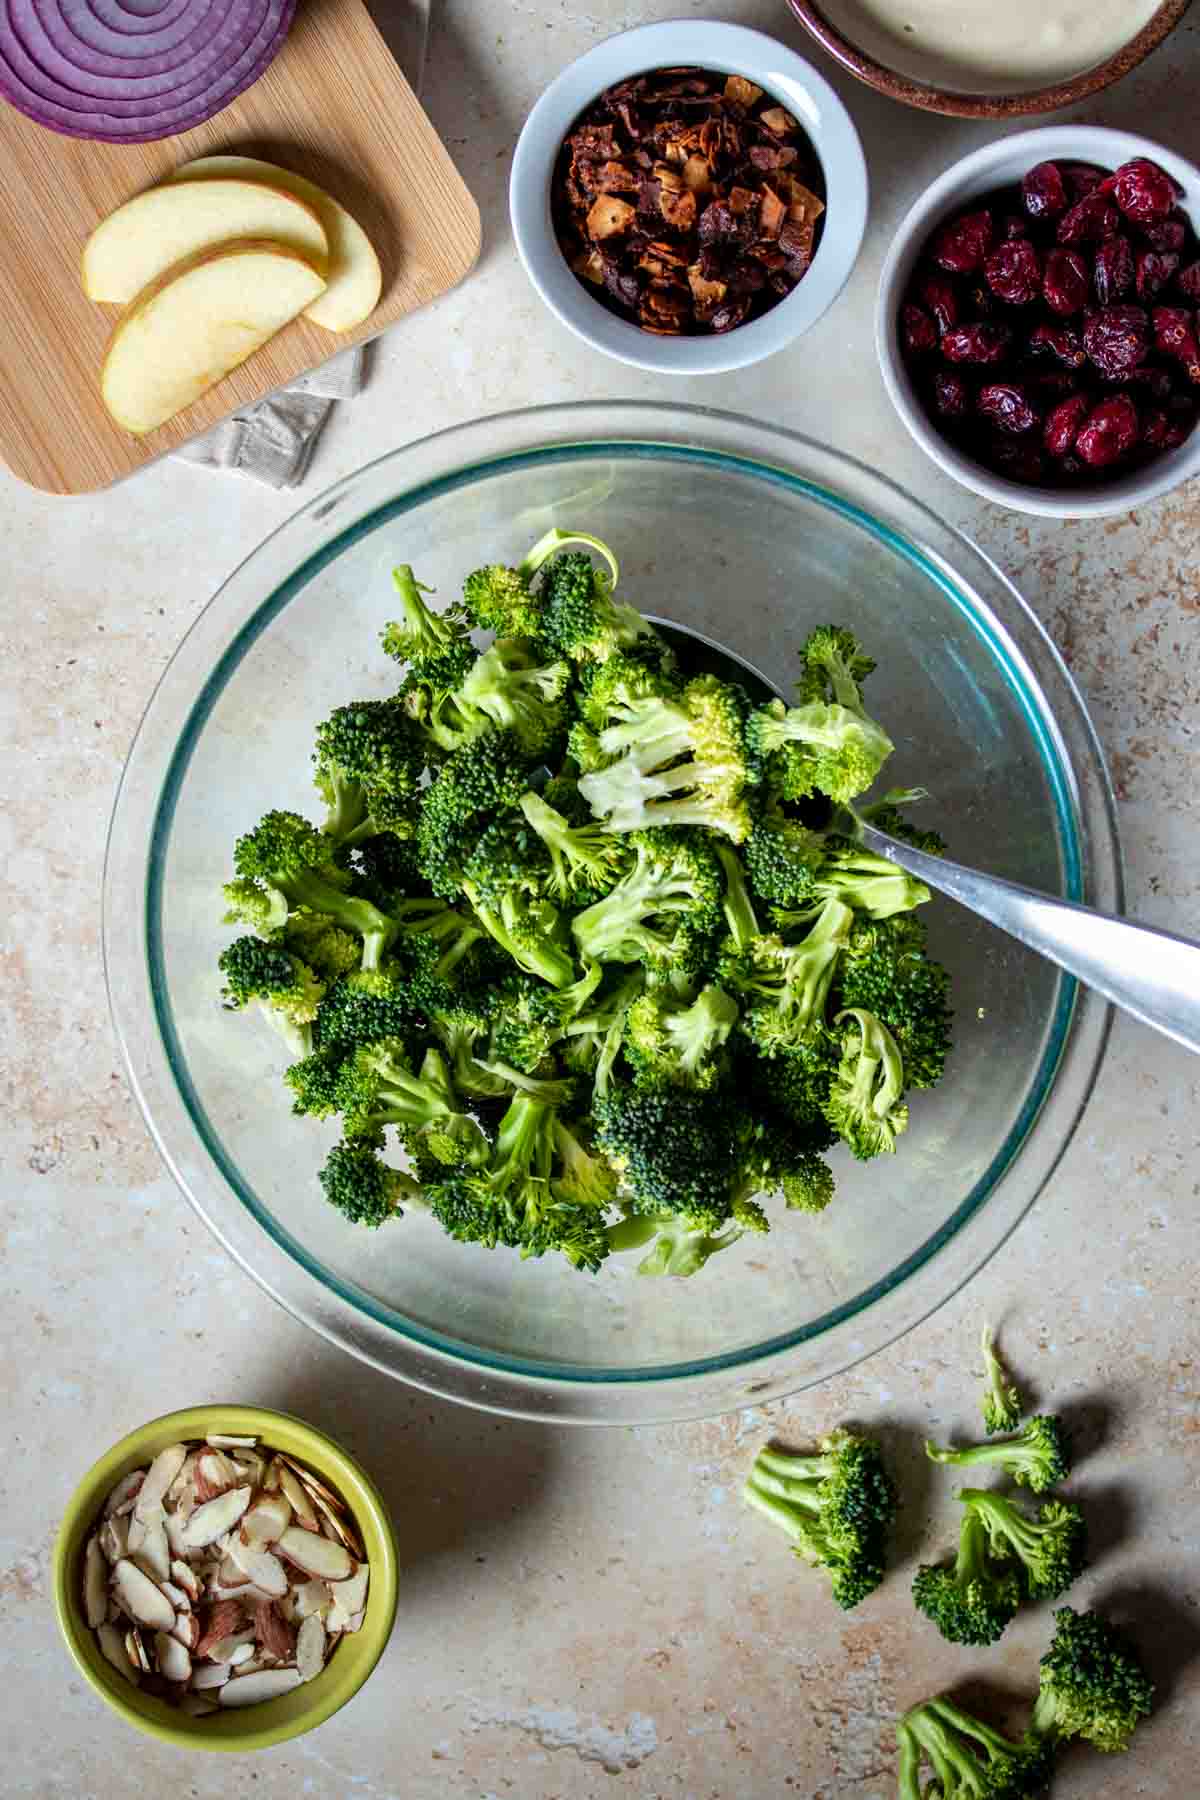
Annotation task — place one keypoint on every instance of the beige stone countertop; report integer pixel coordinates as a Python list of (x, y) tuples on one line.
[(586, 1613)]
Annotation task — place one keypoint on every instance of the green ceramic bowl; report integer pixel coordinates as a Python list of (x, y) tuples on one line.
[(357, 1653)]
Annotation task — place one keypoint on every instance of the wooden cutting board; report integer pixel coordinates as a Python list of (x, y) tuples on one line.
[(334, 106)]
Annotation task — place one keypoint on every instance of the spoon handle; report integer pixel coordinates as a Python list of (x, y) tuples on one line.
[(1152, 974)]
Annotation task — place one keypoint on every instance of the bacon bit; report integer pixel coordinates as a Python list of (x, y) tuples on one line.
[(608, 216), (772, 213), (741, 91), (778, 120)]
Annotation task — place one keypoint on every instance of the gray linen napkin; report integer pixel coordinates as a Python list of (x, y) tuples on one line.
[(274, 441)]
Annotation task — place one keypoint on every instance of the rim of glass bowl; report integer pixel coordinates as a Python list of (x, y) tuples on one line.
[(293, 555)]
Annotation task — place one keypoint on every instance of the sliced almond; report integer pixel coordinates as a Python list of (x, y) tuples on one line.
[(215, 1517), (242, 1654), (354, 1622), (311, 1597), (251, 1468), (264, 1570), (183, 1480), (310, 1647), (112, 1648), (298, 1498), (337, 1528), (217, 1440), (271, 1478), (125, 1492), (187, 1630), (245, 1593), (136, 1651), (229, 1574), (174, 1527), (160, 1475), (274, 1636), (174, 1662), (143, 1599), (213, 1474), (184, 1576), (266, 1684), (179, 1600), (266, 1520), (114, 1538), (148, 1543), (95, 1584), (225, 1618), (350, 1595), (314, 1483), (209, 1675), (315, 1555), (198, 1705), (224, 1651)]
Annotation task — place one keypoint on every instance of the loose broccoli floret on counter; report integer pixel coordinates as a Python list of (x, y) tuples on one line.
[(1092, 1685), (969, 1760), (1051, 1550), (284, 988), (287, 853), (972, 1599), (1001, 1401), (837, 1506), (362, 1186), (864, 1105), (675, 761), (1036, 1458)]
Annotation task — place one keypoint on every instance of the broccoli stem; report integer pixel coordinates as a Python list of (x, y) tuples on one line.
[(736, 902), (375, 929), (555, 540)]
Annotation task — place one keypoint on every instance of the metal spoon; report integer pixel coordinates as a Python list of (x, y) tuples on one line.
[(1153, 975)]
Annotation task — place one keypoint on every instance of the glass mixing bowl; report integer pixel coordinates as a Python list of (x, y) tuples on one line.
[(750, 536)]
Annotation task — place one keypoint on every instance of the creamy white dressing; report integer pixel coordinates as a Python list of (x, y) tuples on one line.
[(989, 46)]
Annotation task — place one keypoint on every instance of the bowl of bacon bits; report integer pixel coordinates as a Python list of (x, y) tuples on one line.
[(1038, 324), (225, 1577), (689, 198)]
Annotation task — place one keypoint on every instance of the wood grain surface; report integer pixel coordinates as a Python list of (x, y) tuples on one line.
[(334, 106)]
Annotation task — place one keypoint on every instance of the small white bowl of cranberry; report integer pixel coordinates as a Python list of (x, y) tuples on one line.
[(1038, 325)]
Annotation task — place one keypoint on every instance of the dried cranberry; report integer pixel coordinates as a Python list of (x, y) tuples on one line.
[(1014, 225), (962, 244), (1044, 191), (1157, 429), (1060, 341), (1014, 272), (1017, 457), (1166, 234), (1117, 338), (1154, 269), (1155, 382), (1082, 178), (1088, 222), (1110, 432), (1175, 335), (1005, 405), (918, 333), (951, 395), (976, 344), (1065, 283), (939, 294), (1188, 282), (1112, 270), (1064, 424), (1142, 190)]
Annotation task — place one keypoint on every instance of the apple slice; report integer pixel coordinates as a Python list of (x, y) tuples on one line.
[(196, 323), (354, 276), (142, 239)]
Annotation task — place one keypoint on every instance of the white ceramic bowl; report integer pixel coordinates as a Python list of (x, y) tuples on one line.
[(994, 166), (734, 51)]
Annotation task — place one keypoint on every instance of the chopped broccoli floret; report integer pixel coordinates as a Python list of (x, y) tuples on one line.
[(1036, 1458), (672, 1149), (681, 1249), (664, 912), (363, 1187), (366, 1005), (783, 859), (378, 1087), (782, 988), (1051, 1549), (970, 1760), (864, 1105), (369, 760), (741, 921), (668, 1043), (256, 904), (327, 949), (284, 988), (827, 744), (837, 1507), (581, 1177), (675, 761), (420, 636), (517, 692), (487, 776), (1092, 1685), (285, 852), (1001, 1400), (886, 815), (583, 859), (974, 1598), (886, 970)]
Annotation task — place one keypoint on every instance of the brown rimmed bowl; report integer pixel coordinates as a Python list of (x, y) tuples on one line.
[(998, 105)]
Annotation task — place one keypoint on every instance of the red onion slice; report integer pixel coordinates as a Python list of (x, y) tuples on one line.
[(131, 71)]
